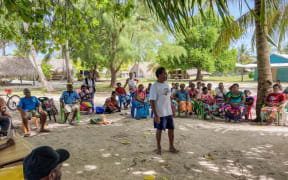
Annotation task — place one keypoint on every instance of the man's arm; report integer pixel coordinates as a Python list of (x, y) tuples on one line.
[(153, 106)]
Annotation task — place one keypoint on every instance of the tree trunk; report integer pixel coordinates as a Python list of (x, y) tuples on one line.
[(67, 62), (198, 76), (242, 74), (4, 48), (38, 68), (263, 62), (113, 77)]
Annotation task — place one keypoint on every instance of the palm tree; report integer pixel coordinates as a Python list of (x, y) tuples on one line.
[(244, 57), (267, 17)]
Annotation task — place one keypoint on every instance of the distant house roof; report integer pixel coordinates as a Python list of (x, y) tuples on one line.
[(193, 72), (15, 66), (276, 60)]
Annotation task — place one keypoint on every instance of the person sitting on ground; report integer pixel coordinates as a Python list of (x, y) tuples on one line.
[(69, 102), (111, 104), (234, 109), (220, 99), (273, 102), (210, 90), (131, 82), (121, 93), (183, 99), (208, 101), (27, 107), (280, 85), (44, 163), (85, 99), (249, 101)]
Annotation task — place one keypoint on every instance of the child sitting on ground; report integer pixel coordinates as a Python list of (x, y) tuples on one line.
[(111, 104)]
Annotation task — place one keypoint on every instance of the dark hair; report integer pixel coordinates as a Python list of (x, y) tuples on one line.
[(83, 86), (278, 80), (276, 85), (149, 84), (233, 85), (119, 83), (159, 71), (246, 90), (113, 92), (140, 85), (204, 88)]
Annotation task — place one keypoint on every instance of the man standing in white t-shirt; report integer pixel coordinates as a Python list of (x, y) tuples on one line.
[(162, 107)]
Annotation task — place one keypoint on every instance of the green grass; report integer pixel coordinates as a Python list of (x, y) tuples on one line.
[(228, 79)]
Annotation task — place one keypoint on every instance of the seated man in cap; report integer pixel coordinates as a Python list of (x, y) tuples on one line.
[(28, 108), (69, 102), (44, 163)]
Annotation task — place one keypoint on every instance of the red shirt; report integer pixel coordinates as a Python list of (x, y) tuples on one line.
[(120, 91), (276, 98), (141, 95)]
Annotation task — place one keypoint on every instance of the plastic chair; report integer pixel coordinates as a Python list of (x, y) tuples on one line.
[(62, 112)]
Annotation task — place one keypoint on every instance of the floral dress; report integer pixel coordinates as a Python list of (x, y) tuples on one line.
[(234, 113), (86, 102), (270, 112), (208, 100)]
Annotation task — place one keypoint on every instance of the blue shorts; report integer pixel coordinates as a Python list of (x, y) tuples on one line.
[(165, 123)]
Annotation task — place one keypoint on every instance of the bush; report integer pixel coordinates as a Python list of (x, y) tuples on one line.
[(251, 74), (47, 70)]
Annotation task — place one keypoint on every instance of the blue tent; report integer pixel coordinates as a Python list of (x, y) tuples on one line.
[(279, 67)]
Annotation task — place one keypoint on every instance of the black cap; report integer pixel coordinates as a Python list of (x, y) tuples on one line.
[(42, 160)]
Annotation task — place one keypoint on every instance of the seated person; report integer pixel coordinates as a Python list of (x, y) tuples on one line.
[(175, 90), (198, 87), (193, 91), (210, 90), (44, 163), (208, 101), (249, 101), (273, 101), (85, 99), (280, 85), (111, 104), (69, 102), (220, 99), (234, 109), (4, 112), (121, 92), (286, 92), (183, 99), (27, 107), (140, 94), (4, 125)]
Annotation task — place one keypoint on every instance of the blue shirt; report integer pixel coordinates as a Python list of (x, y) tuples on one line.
[(29, 104), (182, 96), (69, 97)]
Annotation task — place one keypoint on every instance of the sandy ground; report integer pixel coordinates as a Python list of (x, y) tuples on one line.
[(237, 151)]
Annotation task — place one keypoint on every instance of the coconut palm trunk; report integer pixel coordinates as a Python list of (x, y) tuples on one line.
[(67, 62), (263, 61)]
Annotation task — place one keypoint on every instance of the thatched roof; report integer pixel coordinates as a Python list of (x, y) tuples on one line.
[(15, 66), (59, 65)]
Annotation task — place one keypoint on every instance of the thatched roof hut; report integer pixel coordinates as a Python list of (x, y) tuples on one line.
[(16, 66), (59, 65)]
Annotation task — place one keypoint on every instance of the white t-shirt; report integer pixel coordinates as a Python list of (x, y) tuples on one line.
[(90, 83), (160, 92), (131, 84)]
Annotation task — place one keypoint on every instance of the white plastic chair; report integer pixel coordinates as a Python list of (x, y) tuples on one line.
[(284, 113)]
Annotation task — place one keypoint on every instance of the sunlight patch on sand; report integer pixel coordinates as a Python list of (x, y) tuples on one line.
[(117, 163), (209, 165), (190, 152), (65, 164), (265, 178), (101, 149), (106, 155), (196, 170), (151, 172), (79, 172), (90, 167)]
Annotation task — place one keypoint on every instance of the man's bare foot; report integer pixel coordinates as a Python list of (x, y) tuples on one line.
[(27, 134), (173, 150), (158, 151), (44, 130)]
